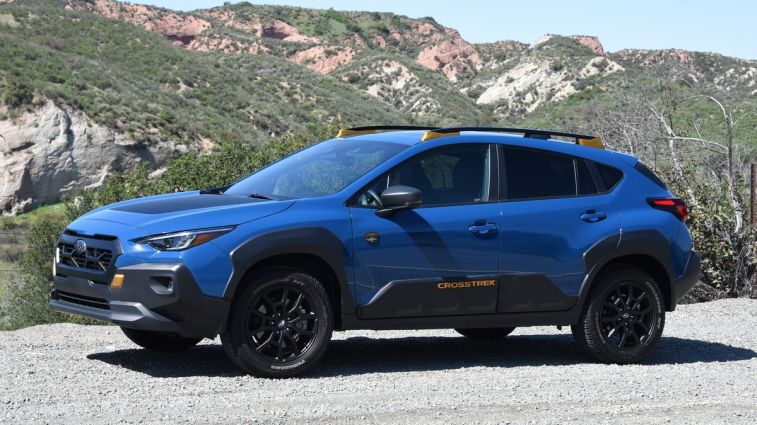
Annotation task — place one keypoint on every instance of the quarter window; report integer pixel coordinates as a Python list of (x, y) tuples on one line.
[(610, 175)]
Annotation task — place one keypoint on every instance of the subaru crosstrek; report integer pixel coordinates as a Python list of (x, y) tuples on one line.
[(477, 229)]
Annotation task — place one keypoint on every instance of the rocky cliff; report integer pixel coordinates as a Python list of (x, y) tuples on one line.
[(54, 149)]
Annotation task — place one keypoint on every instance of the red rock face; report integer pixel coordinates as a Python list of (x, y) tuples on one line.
[(283, 31), (450, 56), (181, 29), (322, 59), (590, 42)]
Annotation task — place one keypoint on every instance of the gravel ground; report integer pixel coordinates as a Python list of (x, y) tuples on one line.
[(703, 371)]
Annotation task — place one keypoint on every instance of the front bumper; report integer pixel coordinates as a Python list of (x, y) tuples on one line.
[(682, 285), (153, 296)]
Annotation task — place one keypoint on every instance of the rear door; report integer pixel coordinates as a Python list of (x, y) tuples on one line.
[(554, 209), (441, 258)]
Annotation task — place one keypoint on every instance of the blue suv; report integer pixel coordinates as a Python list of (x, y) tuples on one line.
[(477, 229)]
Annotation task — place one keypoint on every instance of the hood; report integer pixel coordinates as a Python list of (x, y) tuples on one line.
[(184, 211)]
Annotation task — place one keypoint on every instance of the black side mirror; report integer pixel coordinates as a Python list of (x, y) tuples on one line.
[(396, 198)]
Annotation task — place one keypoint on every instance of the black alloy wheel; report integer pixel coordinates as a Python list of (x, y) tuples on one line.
[(623, 316), (280, 323), (627, 316)]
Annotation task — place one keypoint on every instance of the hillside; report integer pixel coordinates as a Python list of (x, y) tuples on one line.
[(93, 87)]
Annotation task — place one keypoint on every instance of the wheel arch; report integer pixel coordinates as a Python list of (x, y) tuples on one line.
[(647, 250), (314, 250)]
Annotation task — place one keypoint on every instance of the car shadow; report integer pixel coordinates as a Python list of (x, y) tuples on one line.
[(361, 355)]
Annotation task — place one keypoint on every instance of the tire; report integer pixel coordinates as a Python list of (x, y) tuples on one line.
[(280, 324), (159, 341), (623, 317), (485, 334)]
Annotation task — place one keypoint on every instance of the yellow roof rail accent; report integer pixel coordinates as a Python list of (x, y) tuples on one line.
[(431, 135), (354, 131), (594, 142), (346, 132)]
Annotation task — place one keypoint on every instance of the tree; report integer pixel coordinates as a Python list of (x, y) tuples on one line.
[(655, 123)]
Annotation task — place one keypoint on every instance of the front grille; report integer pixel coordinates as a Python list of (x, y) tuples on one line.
[(92, 258), (82, 300)]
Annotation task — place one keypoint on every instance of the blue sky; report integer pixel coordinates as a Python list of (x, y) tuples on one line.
[(728, 27)]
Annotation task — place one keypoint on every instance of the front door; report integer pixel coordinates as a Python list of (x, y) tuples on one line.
[(440, 258)]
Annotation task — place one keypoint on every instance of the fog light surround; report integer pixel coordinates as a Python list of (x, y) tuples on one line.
[(162, 285)]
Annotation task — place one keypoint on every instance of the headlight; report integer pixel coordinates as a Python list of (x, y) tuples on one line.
[(183, 240)]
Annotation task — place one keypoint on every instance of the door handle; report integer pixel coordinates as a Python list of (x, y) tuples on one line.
[(593, 216), (482, 229)]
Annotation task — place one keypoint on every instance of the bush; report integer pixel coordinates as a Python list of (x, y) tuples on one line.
[(26, 297), (17, 95), (729, 257)]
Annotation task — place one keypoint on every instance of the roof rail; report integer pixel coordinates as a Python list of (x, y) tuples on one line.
[(354, 131), (580, 139)]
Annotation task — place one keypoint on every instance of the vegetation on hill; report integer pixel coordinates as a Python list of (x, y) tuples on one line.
[(136, 81)]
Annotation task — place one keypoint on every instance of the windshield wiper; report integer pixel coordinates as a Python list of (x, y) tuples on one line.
[(214, 190), (259, 196)]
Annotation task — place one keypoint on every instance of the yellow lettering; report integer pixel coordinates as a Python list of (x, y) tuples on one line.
[(467, 284)]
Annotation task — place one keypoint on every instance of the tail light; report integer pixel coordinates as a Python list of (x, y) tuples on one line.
[(675, 206)]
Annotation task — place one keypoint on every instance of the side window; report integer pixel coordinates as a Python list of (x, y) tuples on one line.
[(586, 184), (450, 175), (530, 175), (610, 176)]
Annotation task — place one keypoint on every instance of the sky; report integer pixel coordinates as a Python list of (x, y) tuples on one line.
[(721, 26)]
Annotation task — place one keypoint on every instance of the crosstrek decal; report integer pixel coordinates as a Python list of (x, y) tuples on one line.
[(467, 284)]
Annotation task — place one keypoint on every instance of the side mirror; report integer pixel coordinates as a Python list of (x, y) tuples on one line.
[(397, 198)]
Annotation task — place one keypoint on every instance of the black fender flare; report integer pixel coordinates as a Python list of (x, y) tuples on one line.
[(315, 241), (647, 242)]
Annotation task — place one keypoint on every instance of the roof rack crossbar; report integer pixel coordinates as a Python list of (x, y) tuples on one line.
[(392, 127), (353, 131), (527, 132), (580, 139)]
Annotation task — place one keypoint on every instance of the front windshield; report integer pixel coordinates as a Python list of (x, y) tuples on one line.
[(319, 170)]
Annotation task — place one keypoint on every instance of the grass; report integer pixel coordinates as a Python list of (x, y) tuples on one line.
[(23, 220)]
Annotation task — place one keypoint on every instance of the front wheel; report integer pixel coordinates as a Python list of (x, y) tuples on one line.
[(485, 334), (159, 341), (623, 318), (280, 325)]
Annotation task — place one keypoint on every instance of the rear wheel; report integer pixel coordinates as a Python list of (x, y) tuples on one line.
[(623, 318), (280, 325), (485, 334), (159, 341)]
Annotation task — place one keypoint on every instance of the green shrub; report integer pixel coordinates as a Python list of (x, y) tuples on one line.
[(26, 297), (17, 95), (729, 257)]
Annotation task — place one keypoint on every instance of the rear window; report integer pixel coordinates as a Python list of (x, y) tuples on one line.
[(610, 176), (532, 175), (643, 169)]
